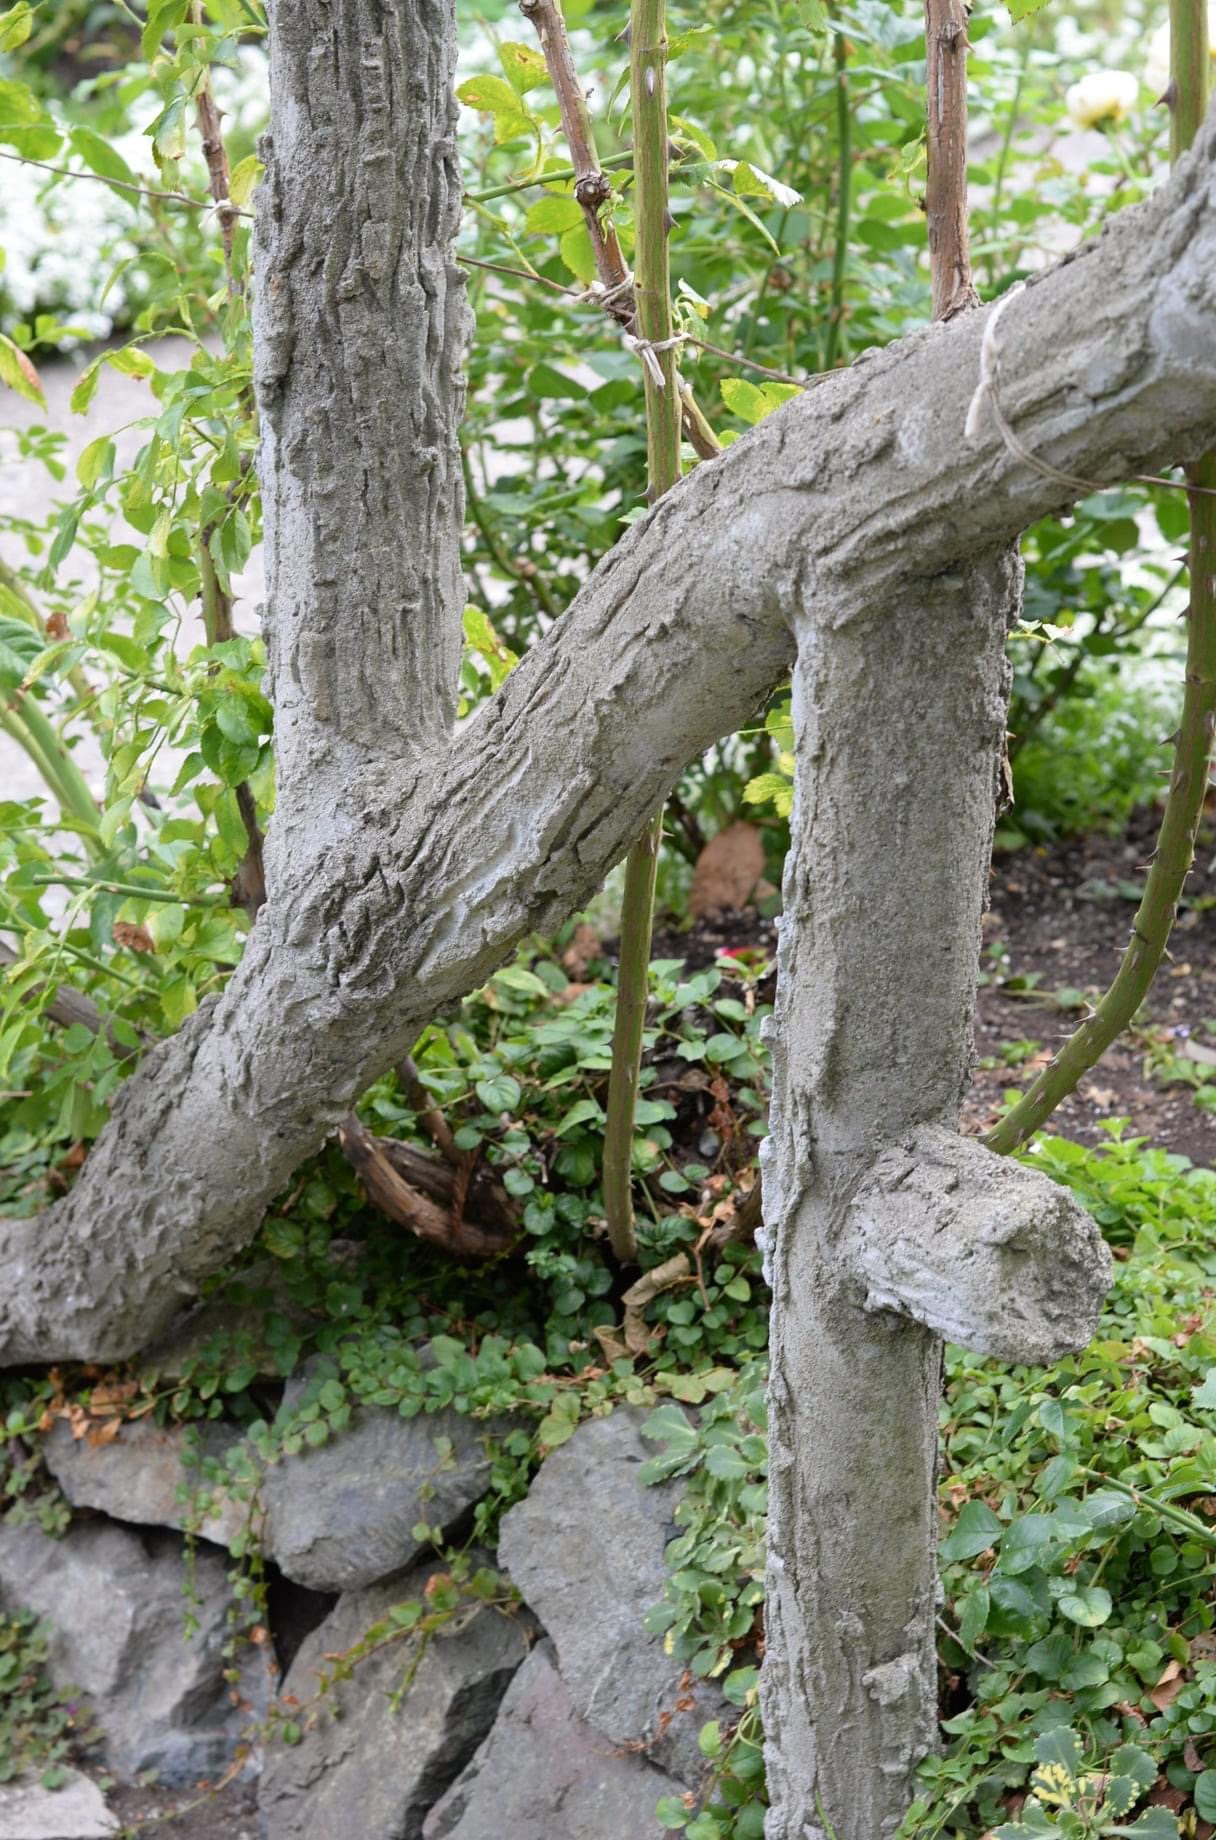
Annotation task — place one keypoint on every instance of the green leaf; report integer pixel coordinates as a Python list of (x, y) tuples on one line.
[(168, 132), (724, 1463), (1135, 1764), (1204, 1396), (752, 402), (555, 1430), (582, 1112), (86, 387), (97, 458), (500, 1093), (973, 1617), (489, 96), (479, 632), (578, 255), (554, 213), (976, 1529), (19, 107), (178, 1000), (99, 156), (1089, 1605), (1034, 1822), (1060, 1747), (1022, 9), (1153, 1824), (1205, 1795)]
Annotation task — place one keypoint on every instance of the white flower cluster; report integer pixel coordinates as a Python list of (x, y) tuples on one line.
[(62, 238)]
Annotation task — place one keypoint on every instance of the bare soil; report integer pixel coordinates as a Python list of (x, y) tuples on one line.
[(1063, 916)]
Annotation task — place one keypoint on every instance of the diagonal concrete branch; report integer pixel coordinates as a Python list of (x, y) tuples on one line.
[(400, 878)]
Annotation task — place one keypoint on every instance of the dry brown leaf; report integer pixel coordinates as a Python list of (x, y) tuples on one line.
[(1168, 1687), (727, 871), (633, 1336), (137, 938), (611, 1344)]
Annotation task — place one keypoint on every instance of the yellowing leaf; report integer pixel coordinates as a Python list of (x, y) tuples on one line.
[(18, 373), (524, 66), (15, 25), (245, 177)]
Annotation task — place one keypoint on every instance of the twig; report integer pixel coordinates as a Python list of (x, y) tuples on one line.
[(737, 357), (557, 177), (615, 286), (133, 890), (373, 1159), (520, 274), (124, 185)]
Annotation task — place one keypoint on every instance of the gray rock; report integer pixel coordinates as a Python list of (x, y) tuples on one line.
[(138, 1476), (75, 1811), (543, 1773), (341, 1517), (586, 1550), (116, 1603), (364, 1769)]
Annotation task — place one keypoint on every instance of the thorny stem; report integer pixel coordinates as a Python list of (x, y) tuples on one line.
[(592, 188), (216, 155), (593, 191), (836, 342), (1175, 850), (946, 187), (648, 50)]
